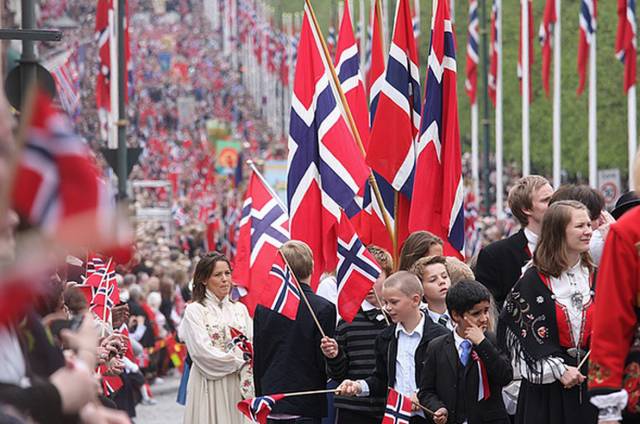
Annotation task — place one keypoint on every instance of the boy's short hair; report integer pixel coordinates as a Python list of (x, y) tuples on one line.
[(300, 258), (383, 258), (458, 270), (590, 197), (521, 194), (463, 296), (421, 265), (406, 282)]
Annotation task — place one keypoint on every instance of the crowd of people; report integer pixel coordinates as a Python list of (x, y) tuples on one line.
[(505, 336)]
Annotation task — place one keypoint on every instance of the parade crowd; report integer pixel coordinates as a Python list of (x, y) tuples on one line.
[(534, 327)]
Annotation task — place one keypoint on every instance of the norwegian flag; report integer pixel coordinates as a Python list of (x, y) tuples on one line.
[(64, 70), (106, 295), (439, 164), (375, 67), (357, 270), (398, 110), (398, 409), (626, 41), (242, 342), (57, 185), (546, 34), (588, 15), (531, 53), (110, 383), (325, 168), (471, 82), (105, 26), (281, 293), (94, 263), (494, 52), (264, 228), (258, 409), (351, 81)]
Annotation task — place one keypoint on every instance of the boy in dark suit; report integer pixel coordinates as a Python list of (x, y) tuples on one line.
[(464, 371), (400, 348), (287, 355)]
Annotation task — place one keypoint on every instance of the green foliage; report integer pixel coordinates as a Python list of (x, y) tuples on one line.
[(612, 104)]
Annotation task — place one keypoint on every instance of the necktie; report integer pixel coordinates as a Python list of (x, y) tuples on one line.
[(443, 320), (465, 350)]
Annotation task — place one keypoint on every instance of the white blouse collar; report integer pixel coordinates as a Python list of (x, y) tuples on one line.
[(214, 299)]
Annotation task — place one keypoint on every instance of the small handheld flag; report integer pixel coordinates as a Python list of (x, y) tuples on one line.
[(398, 409), (258, 409)]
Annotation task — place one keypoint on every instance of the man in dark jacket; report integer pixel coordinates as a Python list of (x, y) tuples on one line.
[(500, 263), (287, 354)]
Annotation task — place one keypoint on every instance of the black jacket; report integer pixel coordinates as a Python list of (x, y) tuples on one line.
[(445, 381), (287, 355), (500, 265), (386, 349)]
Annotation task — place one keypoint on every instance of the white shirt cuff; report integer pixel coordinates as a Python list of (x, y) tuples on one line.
[(364, 388), (610, 406)]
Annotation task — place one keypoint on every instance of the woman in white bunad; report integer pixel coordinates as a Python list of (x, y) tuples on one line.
[(221, 373)]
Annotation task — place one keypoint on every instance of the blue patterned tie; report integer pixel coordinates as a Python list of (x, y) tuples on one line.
[(465, 350)]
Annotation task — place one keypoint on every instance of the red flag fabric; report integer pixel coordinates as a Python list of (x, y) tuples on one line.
[(356, 273), (264, 228), (398, 409), (494, 52), (546, 34), (57, 185), (471, 81), (588, 15), (326, 170), (258, 409), (531, 52), (626, 41), (439, 164)]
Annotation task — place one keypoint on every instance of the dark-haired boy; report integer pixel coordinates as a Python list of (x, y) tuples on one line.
[(464, 371)]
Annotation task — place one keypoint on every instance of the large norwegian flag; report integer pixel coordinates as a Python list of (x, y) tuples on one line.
[(588, 15), (626, 41), (356, 273), (57, 185), (375, 60), (391, 148), (531, 52), (351, 81), (471, 81), (437, 203), (545, 34), (326, 170), (494, 52), (264, 228)]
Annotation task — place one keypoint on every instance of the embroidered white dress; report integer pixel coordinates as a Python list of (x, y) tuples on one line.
[(220, 377)]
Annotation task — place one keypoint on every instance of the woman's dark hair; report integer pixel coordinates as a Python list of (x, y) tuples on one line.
[(463, 296), (203, 271), (415, 247)]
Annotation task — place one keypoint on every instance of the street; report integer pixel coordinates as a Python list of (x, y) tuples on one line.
[(167, 410)]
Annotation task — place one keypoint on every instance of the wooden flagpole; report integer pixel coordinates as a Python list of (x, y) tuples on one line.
[(310, 392), (302, 295), (350, 120)]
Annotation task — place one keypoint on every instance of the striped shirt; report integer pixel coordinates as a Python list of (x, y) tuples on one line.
[(356, 358)]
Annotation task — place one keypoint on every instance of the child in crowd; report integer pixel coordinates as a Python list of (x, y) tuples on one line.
[(458, 270), (432, 273), (287, 356), (400, 349), (418, 245), (464, 372), (352, 355)]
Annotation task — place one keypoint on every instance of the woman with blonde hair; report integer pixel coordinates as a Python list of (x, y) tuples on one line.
[(221, 372), (546, 321)]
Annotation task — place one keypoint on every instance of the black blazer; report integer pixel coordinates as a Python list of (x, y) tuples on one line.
[(287, 355), (386, 349), (439, 385), (500, 264)]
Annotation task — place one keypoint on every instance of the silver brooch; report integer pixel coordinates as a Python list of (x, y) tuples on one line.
[(539, 299)]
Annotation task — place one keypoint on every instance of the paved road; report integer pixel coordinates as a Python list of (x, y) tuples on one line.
[(166, 411)]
